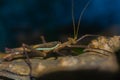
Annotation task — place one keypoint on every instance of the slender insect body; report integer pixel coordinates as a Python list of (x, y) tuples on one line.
[(43, 50), (98, 53)]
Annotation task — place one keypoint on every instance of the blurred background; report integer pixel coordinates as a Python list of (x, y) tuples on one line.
[(24, 21)]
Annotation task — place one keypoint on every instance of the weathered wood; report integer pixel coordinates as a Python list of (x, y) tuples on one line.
[(99, 55)]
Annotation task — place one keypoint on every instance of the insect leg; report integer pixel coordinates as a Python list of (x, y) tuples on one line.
[(27, 61), (43, 39), (77, 46), (87, 35)]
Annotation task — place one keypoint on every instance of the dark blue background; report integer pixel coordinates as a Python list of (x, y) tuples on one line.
[(25, 20)]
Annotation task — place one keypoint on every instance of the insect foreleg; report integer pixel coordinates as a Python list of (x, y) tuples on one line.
[(86, 35)]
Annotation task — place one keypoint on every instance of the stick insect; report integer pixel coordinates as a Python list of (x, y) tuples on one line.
[(56, 45)]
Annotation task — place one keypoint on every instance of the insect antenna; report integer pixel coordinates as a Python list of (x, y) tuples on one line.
[(73, 18), (76, 29)]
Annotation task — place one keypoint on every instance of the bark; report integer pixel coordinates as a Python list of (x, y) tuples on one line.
[(92, 64)]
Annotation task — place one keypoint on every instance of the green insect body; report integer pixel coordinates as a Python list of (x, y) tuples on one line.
[(51, 48)]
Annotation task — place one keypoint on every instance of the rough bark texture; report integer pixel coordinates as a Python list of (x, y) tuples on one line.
[(95, 63)]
